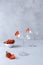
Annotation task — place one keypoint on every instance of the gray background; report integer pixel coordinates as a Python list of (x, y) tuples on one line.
[(20, 14)]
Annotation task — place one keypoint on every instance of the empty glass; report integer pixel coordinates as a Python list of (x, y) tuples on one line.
[(22, 36)]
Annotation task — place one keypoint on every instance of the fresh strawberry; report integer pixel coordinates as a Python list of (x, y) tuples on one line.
[(9, 55), (16, 33), (10, 41)]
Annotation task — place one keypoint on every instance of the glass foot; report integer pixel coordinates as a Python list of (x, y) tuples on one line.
[(32, 45), (23, 54)]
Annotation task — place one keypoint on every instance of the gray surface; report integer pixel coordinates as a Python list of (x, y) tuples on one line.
[(20, 14), (35, 56)]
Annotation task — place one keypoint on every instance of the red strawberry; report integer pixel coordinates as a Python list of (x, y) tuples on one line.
[(17, 33), (10, 56), (10, 41)]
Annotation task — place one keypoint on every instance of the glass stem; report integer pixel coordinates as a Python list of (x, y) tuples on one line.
[(23, 45)]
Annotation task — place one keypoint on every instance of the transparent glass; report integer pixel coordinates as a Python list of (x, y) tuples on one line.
[(22, 37), (32, 36)]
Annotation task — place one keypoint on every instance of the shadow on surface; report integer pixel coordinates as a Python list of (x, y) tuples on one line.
[(16, 46)]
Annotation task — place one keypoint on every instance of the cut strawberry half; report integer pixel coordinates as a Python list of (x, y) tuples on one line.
[(17, 33), (9, 55), (10, 41)]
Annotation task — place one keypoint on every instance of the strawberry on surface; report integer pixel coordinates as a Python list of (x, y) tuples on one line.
[(9, 55), (9, 41)]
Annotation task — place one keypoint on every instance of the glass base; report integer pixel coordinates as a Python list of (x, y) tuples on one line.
[(23, 54), (32, 45)]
